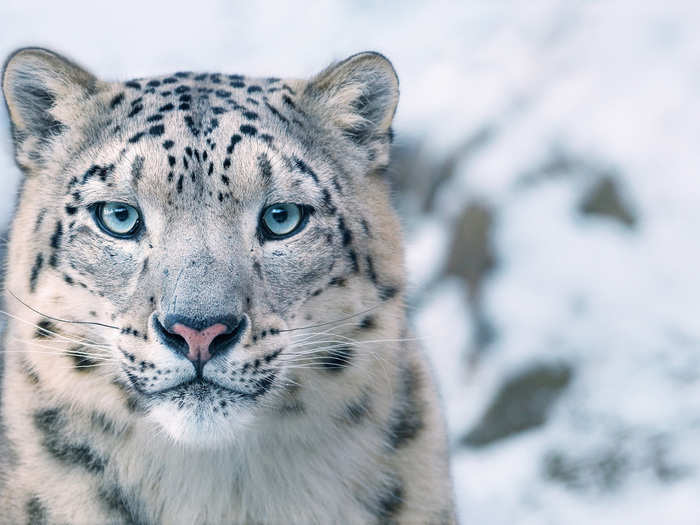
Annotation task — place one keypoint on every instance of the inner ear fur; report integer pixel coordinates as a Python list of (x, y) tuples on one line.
[(358, 95), (34, 83)]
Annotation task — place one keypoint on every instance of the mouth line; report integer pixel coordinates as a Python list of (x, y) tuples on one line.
[(265, 385)]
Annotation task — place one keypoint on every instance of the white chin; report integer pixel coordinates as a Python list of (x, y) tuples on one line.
[(200, 428)]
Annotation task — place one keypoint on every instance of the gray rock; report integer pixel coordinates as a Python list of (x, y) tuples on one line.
[(522, 403), (604, 200)]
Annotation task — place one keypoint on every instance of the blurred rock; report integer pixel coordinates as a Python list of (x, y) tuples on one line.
[(604, 199), (471, 254), (608, 466), (559, 163), (605, 470), (471, 257), (522, 403), (416, 176)]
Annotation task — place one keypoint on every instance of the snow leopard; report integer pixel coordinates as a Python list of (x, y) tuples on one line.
[(205, 304)]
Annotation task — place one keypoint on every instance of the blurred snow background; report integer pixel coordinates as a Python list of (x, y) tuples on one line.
[(547, 169)]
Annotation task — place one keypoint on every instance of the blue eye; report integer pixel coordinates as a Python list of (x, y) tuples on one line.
[(118, 219), (282, 220)]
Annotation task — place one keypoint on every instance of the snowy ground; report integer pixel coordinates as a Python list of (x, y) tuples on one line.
[(600, 302)]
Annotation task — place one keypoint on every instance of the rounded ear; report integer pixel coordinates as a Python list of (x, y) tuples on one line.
[(34, 82), (359, 95)]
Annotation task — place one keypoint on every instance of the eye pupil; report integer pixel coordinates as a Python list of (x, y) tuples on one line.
[(122, 214), (280, 215)]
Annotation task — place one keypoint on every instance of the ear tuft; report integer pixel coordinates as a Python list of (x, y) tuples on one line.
[(359, 95), (34, 81)]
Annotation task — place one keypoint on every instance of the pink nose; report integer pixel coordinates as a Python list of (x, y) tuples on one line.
[(198, 341)]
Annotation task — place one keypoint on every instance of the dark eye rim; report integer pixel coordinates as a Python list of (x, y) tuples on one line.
[(265, 232), (96, 210)]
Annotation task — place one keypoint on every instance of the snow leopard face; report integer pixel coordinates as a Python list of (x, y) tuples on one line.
[(181, 234)]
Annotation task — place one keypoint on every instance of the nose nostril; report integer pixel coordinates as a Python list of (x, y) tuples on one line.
[(173, 340), (226, 340)]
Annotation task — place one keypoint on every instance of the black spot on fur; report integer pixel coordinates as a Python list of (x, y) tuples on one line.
[(167, 107), (36, 512), (368, 323), (153, 83), (353, 261), (136, 137), (346, 234), (41, 215), (156, 131), (248, 130), (168, 144), (265, 167), (52, 423), (135, 110), (114, 498), (29, 371), (390, 501), (235, 139), (45, 329), (182, 89), (287, 100), (338, 358), (406, 419), (71, 210), (56, 244), (254, 89), (276, 113), (137, 168), (34, 274), (237, 84), (179, 184), (57, 235), (357, 411), (387, 292), (82, 362), (155, 118), (305, 169), (225, 179), (258, 269), (118, 99), (250, 115), (338, 281)]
